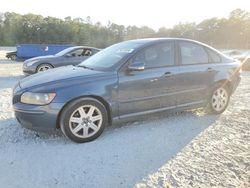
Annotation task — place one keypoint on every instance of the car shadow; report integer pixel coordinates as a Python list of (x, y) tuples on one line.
[(122, 156)]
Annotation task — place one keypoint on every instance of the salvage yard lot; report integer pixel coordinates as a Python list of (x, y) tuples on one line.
[(189, 149)]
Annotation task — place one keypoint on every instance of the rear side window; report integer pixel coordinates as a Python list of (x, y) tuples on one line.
[(159, 55), (94, 51), (192, 53), (214, 57), (87, 52)]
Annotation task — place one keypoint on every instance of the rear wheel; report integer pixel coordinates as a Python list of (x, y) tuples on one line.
[(83, 120), (219, 99), (43, 67)]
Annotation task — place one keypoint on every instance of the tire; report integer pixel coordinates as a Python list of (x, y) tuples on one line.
[(13, 57), (83, 120), (219, 99), (43, 67)]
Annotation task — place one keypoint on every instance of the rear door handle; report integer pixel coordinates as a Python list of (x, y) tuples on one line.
[(209, 69), (167, 74)]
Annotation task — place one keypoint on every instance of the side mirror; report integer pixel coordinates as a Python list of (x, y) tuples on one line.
[(68, 55), (137, 66)]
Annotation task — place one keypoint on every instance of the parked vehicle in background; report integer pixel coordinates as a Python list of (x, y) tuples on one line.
[(70, 56), (11, 55), (124, 81), (232, 53), (244, 58), (27, 51)]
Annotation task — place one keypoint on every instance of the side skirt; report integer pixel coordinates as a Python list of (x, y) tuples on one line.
[(133, 116)]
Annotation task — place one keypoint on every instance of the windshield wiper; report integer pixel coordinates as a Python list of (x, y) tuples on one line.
[(85, 67)]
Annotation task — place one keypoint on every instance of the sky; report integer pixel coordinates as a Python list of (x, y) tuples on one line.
[(151, 13)]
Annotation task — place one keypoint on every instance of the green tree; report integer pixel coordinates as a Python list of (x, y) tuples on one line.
[(231, 32)]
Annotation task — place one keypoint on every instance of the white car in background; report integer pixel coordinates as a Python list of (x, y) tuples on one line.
[(243, 57)]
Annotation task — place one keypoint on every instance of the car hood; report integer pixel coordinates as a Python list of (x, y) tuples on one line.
[(62, 74), (40, 58)]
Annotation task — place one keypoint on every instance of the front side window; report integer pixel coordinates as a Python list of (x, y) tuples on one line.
[(76, 53), (159, 55), (193, 54)]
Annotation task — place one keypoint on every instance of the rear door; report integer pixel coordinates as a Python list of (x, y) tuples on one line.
[(196, 74), (152, 88)]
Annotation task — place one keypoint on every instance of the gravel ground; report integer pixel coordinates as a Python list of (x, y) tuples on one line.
[(189, 149), (219, 156)]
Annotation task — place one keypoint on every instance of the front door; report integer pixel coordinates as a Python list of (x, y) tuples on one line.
[(152, 88)]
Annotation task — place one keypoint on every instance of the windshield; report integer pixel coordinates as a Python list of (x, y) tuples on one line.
[(65, 51), (110, 56)]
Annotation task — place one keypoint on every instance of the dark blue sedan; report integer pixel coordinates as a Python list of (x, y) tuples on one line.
[(124, 81)]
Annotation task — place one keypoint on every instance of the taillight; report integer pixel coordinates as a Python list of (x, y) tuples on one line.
[(240, 70)]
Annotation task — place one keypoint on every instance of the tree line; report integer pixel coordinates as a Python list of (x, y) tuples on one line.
[(230, 32)]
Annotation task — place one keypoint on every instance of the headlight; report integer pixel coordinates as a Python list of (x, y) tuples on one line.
[(27, 64), (37, 98)]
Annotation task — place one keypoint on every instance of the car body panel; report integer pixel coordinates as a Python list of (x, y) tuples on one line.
[(67, 89), (57, 75), (148, 89), (40, 118), (193, 83)]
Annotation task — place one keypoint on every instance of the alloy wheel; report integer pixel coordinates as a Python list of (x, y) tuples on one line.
[(85, 121), (220, 99), (43, 68)]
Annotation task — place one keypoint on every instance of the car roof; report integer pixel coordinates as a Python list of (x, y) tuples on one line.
[(156, 40), (89, 47), (148, 41)]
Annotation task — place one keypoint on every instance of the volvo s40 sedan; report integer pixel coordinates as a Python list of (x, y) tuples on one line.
[(124, 81)]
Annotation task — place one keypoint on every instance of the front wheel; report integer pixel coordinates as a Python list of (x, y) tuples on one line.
[(219, 99), (43, 67), (13, 57), (83, 120)]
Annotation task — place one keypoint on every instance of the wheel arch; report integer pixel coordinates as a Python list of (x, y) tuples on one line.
[(227, 83), (100, 99)]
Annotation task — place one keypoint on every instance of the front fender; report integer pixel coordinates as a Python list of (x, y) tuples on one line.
[(105, 88)]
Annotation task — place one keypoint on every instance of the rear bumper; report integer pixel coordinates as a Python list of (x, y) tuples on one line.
[(38, 118), (236, 82)]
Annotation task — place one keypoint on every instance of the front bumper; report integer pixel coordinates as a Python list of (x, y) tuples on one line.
[(38, 118), (29, 70)]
